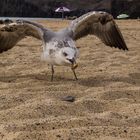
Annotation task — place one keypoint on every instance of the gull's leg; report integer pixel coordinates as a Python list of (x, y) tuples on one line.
[(74, 73), (52, 68)]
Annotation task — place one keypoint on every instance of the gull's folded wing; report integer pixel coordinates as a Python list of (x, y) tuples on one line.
[(100, 24)]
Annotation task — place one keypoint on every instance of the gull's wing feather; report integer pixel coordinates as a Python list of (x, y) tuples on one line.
[(12, 33), (100, 24)]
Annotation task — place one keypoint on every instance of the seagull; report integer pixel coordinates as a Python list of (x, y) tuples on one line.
[(59, 47)]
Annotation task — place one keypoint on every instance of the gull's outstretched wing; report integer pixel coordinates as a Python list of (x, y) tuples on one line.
[(100, 24), (12, 32)]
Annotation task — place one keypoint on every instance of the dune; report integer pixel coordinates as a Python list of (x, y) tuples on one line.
[(107, 94)]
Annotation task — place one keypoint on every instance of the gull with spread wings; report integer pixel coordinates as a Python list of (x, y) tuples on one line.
[(59, 47)]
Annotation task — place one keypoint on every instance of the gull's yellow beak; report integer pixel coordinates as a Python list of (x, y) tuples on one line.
[(74, 66)]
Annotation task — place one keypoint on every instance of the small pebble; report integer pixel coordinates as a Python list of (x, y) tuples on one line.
[(68, 98)]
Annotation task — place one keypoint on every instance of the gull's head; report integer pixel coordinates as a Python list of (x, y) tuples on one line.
[(69, 55)]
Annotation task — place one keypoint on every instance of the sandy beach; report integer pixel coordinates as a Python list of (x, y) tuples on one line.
[(107, 94)]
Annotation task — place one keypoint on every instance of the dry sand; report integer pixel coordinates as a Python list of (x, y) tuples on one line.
[(107, 105)]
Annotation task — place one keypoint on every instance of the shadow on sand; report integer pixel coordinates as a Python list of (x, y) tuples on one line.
[(97, 81)]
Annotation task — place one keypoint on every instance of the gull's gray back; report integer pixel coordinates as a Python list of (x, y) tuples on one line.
[(64, 33)]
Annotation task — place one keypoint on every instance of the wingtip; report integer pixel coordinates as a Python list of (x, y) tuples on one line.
[(6, 21), (125, 49)]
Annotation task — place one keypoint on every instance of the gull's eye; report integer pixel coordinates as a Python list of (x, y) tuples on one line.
[(65, 54)]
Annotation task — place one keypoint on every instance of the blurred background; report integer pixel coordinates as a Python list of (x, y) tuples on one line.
[(46, 8)]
